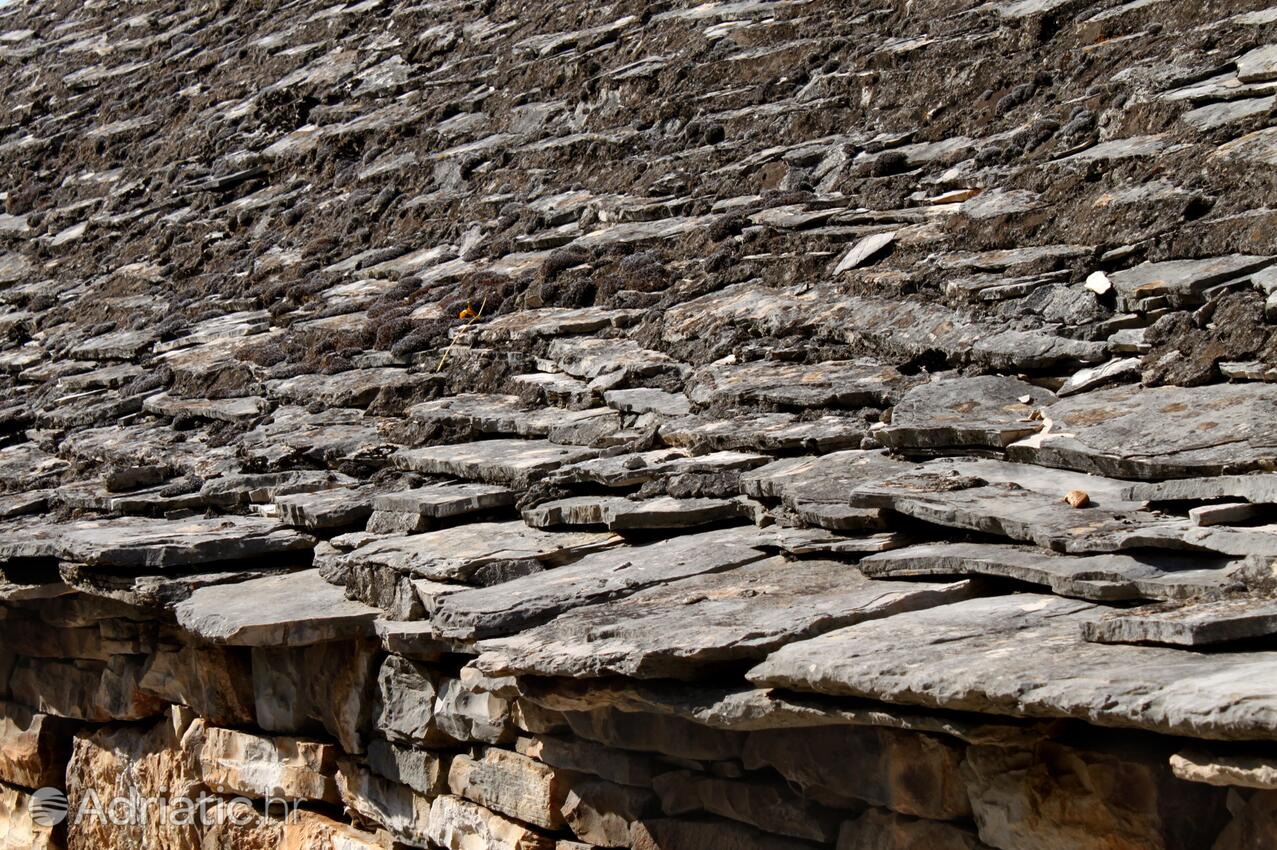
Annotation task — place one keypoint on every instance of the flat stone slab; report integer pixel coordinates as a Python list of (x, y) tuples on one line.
[(1158, 432), (1198, 765), (764, 432), (293, 609), (835, 383), (632, 470), (135, 543), (1193, 624), (457, 554), (441, 501), (1023, 655), (826, 478), (622, 514), (1101, 578), (1181, 280), (243, 409), (647, 400), (1009, 510), (1259, 488), (682, 629), (354, 388), (529, 601), (989, 412), (478, 413), (338, 507), (511, 463), (326, 438)]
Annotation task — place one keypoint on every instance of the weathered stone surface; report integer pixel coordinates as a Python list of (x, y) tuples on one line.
[(245, 829), (1260, 489), (682, 629), (654, 733), (1193, 624), (1158, 432), (764, 432), (85, 690), (478, 553), (904, 771), (34, 747), (354, 388), (467, 711), (1009, 510), (457, 824), (130, 542), (961, 413), (839, 383), (578, 756), (294, 609), (443, 501), (323, 687), (264, 768), (389, 805), (510, 463), (529, 601), (151, 762), (769, 806), (629, 470), (1102, 578), (405, 706), (18, 828), (621, 514), (339, 507), (1024, 655), (215, 682), (882, 830), (510, 784), (1058, 796), (1252, 826), (1198, 765), (601, 813), (424, 771), (1182, 280)]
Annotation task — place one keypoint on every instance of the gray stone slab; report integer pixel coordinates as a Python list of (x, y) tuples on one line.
[(338, 507), (824, 478), (1181, 280), (646, 400), (458, 554), (441, 501), (512, 463), (1009, 510), (1123, 371), (473, 414), (837, 383), (294, 609), (1198, 623), (1024, 655), (1101, 578), (764, 432), (532, 600), (684, 628), (622, 514), (1259, 488), (243, 409), (354, 388), (135, 543), (1158, 432), (632, 470), (988, 411)]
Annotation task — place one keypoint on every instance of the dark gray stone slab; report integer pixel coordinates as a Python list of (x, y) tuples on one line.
[(532, 600), (338, 507), (764, 432), (1101, 578), (1181, 280), (632, 470), (458, 554), (621, 514), (985, 412), (512, 463), (1024, 655), (1158, 432), (294, 609), (683, 628), (1193, 624), (1009, 510), (441, 501), (836, 383), (1260, 488), (134, 542)]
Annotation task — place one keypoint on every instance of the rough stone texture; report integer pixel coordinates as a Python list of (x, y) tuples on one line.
[(1024, 655), (309, 313), (295, 609)]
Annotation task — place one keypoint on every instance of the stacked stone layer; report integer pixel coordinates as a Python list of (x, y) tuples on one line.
[(755, 425)]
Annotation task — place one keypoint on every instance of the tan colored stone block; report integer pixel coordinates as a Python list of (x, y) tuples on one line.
[(510, 784)]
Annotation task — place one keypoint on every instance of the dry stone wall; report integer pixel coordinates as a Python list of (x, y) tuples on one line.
[(752, 425)]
